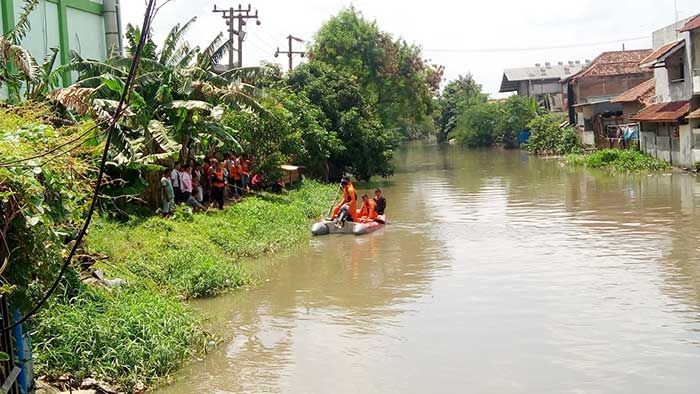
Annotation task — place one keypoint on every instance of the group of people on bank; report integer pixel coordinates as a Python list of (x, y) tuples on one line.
[(371, 209), (211, 182)]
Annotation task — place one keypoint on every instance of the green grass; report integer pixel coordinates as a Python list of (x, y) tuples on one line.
[(200, 255), (618, 160), (142, 332), (127, 336)]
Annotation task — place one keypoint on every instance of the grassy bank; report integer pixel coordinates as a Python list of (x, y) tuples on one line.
[(618, 160), (142, 331)]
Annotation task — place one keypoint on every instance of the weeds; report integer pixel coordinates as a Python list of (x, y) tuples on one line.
[(139, 333), (618, 160)]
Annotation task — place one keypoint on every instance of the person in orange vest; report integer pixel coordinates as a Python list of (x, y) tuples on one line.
[(368, 211), (347, 209), (218, 185)]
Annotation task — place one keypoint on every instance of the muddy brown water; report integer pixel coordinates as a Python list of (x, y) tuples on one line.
[(500, 273)]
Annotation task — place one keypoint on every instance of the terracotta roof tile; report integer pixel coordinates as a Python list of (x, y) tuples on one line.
[(692, 24), (614, 63), (643, 93), (662, 51), (663, 112)]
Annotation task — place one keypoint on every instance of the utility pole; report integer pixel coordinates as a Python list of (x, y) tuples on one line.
[(291, 52), (239, 15)]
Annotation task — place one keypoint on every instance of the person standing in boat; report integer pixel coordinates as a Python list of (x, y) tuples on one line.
[(346, 210), (380, 201)]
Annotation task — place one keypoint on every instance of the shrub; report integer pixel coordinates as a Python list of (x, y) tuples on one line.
[(476, 125), (133, 334), (547, 137), (618, 160)]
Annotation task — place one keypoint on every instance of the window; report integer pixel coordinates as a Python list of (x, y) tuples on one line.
[(675, 65)]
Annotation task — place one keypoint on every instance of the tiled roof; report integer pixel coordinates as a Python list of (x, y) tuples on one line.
[(663, 52), (692, 24), (614, 63), (643, 93), (663, 112)]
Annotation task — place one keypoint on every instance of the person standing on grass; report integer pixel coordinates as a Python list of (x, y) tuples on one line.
[(175, 179), (218, 185), (186, 183), (197, 188), (166, 187)]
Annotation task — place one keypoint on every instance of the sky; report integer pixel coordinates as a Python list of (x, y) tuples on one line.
[(465, 36)]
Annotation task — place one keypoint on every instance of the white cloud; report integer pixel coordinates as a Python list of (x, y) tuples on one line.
[(444, 24)]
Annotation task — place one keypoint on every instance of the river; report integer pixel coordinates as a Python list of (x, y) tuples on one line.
[(499, 273)]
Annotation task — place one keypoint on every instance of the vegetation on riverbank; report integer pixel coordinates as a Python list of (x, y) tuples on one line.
[(342, 113), (141, 331), (619, 160), (549, 138)]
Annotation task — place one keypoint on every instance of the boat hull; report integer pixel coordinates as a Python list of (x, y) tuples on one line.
[(326, 227)]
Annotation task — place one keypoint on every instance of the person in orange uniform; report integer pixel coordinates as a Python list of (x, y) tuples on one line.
[(368, 211), (347, 209)]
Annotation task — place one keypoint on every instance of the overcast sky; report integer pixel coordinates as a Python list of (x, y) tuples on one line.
[(477, 37)]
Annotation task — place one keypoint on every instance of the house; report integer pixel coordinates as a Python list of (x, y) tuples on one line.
[(670, 128), (626, 134), (89, 27), (542, 82), (592, 90)]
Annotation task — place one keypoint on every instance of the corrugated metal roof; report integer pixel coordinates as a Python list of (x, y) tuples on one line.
[(692, 24), (694, 115), (614, 63), (662, 53), (663, 112), (643, 93), (512, 76)]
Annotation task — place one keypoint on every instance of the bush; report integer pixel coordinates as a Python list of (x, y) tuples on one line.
[(476, 126), (547, 137), (132, 334), (618, 160)]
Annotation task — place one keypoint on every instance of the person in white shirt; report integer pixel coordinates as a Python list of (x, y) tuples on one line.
[(186, 183), (176, 180)]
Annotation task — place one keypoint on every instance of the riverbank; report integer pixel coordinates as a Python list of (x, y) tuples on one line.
[(135, 334)]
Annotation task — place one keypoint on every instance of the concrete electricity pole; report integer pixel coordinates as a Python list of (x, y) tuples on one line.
[(239, 15), (291, 52)]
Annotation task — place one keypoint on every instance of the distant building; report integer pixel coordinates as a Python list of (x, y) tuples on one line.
[(542, 82), (591, 92), (89, 27), (671, 126)]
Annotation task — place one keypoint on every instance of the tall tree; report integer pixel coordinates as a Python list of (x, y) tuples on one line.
[(392, 74), (457, 96)]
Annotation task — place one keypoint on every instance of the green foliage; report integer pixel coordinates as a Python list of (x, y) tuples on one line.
[(476, 125), (620, 160), (292, 131), (347, 115), (199, 255), (457, 96), (516, 112), (42, 201), (392, 74), (128, 335), (548, 137)]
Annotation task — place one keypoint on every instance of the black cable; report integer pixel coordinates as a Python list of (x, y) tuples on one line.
[(93, 204), (48, 152)]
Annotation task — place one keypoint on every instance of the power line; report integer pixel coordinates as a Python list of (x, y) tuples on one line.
[(526, 49), (241, 15), (290, 52)]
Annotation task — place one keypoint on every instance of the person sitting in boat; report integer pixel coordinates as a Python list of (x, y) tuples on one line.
[(368, 211), (346, 209), (380, 201)]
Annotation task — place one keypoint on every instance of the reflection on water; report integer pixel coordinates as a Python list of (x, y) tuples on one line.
[(500, 273)]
